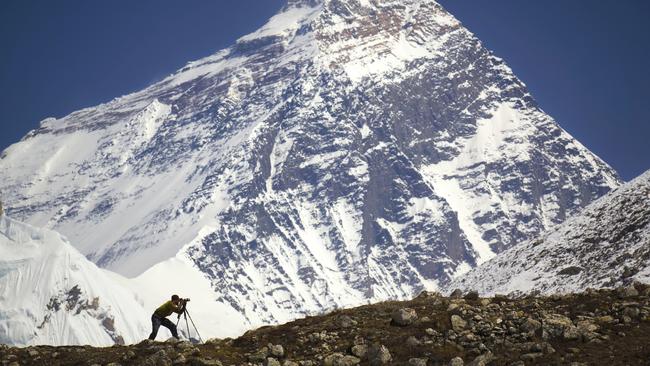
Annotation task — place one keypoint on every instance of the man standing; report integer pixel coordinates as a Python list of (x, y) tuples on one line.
[(159, 317)]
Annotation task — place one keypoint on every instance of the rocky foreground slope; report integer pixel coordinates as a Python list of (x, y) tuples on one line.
[(593, 328)]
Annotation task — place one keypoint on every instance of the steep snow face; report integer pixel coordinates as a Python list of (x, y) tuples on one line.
[(606, 245), (348, 151), (51, 294)]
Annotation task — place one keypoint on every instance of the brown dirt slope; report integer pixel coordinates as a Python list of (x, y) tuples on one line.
[(598, 327)]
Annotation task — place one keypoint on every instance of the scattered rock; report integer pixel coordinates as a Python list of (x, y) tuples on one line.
[(404, 316), (360, 350), (530, 326), (457, 323), (627, 292), (378, 355), (418, 361), (346, 321), (259, 356), (276, 350), (271, 362), (471, 296), (482, 360), (413, 342), (456, 361), (456, 294), (339, 359)]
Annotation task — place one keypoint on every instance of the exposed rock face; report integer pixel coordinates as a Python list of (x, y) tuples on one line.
[(347, 151), (606, 245)]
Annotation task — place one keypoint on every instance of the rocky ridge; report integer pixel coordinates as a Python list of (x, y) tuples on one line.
[(604, 246), (588, 328)]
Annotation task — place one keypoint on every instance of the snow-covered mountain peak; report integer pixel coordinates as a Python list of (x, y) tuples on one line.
[(347, 151)]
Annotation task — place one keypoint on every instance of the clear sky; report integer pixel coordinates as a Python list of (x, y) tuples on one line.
[(585, 61)]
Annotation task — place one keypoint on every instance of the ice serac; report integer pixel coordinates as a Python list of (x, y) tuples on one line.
[(347, 151), (51, 294), (605, 246)]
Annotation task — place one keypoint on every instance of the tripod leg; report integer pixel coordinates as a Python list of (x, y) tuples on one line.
[(188, 326), (194, 325)]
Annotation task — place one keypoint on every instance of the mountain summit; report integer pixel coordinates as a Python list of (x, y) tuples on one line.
[(345, 152)]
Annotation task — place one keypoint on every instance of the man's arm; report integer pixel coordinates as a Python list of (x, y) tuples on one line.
[(180, 307)]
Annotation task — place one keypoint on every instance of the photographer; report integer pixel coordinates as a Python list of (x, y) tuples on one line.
[(159, 317)]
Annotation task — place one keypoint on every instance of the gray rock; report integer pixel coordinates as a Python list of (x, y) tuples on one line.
[(531, 356), (456, 294), (457, 323), (413, 342), (555, 325), (456, 361), (276, 350), (259, 356), (404, 316), (346, 321), (290, 363), (482, 360), (206, 362), (530, 326), (472, 295), (339, 359), (271, 362), (418, 361), (378, 355), (360, 350), (180, 360), (183, 345), (626, 292)]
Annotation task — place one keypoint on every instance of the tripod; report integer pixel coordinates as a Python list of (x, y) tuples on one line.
[(186, 314)]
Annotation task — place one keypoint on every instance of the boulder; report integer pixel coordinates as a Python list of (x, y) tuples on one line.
[(378, 355), (276, 350), (359, 350), (482, 360), (418, 361), (404, 316), (456, 361), (625, 292), (339, 359), (457, 323), (456, 294), (346, 321)]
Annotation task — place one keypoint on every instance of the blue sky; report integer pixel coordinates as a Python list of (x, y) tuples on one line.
[(585, 61)]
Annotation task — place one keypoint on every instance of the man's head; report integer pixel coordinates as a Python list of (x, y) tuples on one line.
[(176, 299)]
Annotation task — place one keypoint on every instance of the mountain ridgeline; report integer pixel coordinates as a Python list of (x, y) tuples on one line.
[(348, 151)]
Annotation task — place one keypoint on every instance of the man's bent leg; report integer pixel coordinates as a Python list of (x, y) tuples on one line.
[(155, 324), (171, 326)]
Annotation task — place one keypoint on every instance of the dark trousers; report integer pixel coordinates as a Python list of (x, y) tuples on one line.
[(157, 321)]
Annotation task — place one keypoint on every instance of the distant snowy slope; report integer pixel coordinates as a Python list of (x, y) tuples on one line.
[(606, 245), (51, 294)]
